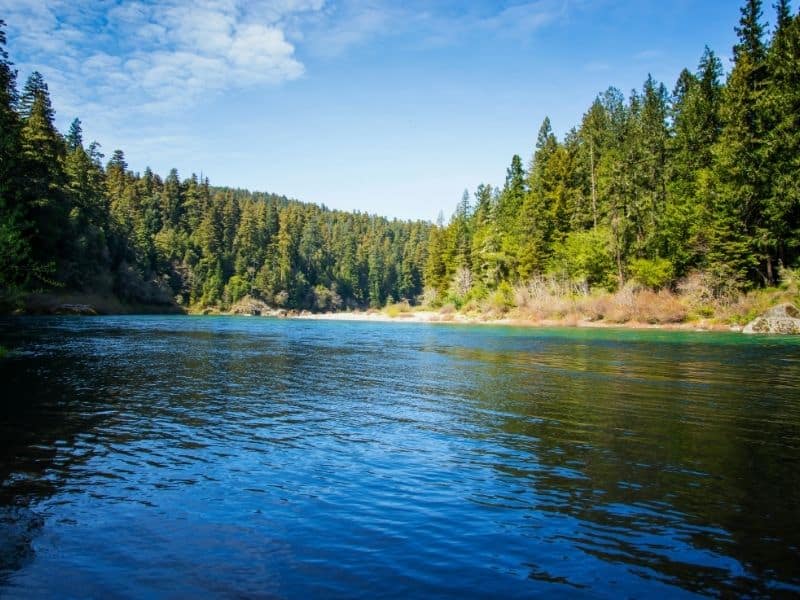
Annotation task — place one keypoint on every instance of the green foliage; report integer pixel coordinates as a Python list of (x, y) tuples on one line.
[(586, 256), (705, 179), (500, 300), (653, 273), (236, 289), (66, 221)]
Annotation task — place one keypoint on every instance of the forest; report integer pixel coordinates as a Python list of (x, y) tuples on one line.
[(652, 189)]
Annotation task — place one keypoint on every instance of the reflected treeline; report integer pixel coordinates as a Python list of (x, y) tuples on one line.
[(673, 459), (46, 407)]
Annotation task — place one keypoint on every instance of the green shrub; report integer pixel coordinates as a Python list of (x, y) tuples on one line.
[(656, 273), (501, 299), (586, 256), (397, 309), (236, 289)]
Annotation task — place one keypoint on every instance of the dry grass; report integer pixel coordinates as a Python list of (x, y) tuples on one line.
[(632, 304), (550, 299), (398, 309), (448, 309), (748, 306), (544, 298)]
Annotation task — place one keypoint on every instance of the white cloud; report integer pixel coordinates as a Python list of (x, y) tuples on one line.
[(117, 63), (141, 56), (596, 66), (344, 24), (525, 18), (144, 55), (646, 55)]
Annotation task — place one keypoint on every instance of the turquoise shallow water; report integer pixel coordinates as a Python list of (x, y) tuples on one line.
[(249, 457)]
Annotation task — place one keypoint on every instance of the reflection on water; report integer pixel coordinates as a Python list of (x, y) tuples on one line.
[(256, 457)]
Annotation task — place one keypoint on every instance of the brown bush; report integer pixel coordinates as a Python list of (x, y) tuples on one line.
[(447, 309), (595, 308), (632, 303), (544, 298), (660, 307)]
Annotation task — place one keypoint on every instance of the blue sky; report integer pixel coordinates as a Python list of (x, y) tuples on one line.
[(380, 106)]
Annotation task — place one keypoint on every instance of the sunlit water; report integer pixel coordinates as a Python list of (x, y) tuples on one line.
[(185, 457)]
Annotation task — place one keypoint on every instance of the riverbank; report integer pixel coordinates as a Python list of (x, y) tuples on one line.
[(429, 316), (628, 309), (405, 313), (80, 303)]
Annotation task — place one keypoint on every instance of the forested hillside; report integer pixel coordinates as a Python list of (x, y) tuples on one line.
[(703, 179), (649, 189), (70, 223)]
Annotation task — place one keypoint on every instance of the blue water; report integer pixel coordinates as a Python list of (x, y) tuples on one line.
[(250, 457)]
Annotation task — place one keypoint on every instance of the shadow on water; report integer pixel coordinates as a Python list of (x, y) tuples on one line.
[(681, 464), (252, 457)]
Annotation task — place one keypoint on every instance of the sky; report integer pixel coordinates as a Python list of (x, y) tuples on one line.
[(386, 107)]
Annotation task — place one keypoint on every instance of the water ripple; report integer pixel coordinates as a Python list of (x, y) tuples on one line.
[(264, 458)]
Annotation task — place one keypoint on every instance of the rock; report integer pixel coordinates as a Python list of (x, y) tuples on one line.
[(74, 309), (784, 319), (249, 306)]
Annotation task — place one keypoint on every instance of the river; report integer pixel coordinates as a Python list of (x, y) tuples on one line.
[(255, 457)]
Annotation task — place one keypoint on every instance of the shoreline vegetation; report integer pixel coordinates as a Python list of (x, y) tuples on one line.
[(542, 302), (661, 208)]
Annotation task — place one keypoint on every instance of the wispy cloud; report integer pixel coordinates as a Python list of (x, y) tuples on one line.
[(525, 18), (596, 66), (650, 54), (117, 63), (345, 24), (490, 20), (153, 55)]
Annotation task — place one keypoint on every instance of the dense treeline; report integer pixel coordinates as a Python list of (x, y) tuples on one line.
[(649, 188), (69, 222)]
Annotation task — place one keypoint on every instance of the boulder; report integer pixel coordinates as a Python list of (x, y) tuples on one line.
[(249, 306), (784, 318), (74, 309)]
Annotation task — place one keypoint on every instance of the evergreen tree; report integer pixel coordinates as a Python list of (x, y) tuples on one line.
[(14, 246), (696, 129), (75, 135), (781, 150), (35, 87), (463, 233), (535, 222), (739, 244), (42, 151)]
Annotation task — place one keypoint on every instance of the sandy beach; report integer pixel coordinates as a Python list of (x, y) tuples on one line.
[(427, 316)]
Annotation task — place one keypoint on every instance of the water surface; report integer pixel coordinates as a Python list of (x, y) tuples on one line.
[(230, 457)]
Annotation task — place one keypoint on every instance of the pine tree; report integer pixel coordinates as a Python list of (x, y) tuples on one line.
[(781, 158), (488, 261), (649, 206), (35, 87), (535, 223), (696, 129), (509, 205), (738, 240), (14, 247), (463, 233), (75, 135), (591, 137), (9, 127), (435, 267), (42, 153)]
